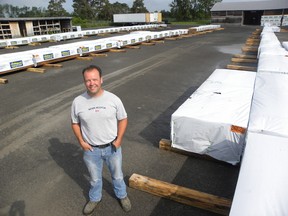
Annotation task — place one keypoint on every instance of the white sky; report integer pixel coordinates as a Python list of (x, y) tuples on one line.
[(151, 5)]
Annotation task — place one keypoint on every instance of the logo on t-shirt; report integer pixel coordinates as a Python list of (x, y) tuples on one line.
[(97, 108)]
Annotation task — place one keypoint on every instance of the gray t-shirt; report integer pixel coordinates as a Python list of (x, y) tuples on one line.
[(98, 116)]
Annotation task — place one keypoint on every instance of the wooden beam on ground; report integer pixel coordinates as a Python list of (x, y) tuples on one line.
[(253, 40), (132, 47), (166, 144), (252, 43), (239, 67), (243, 60), (245, 56), (11, 47), (158, 41), (84, 58), (254, 37), (36, 70), (102, 34), (3, 81), (180, 194), (117, 50), (148, 44), (218, 29), (98, 54), (34, 44), (249, 49), (171, 38), (256, 33), (52, 65)]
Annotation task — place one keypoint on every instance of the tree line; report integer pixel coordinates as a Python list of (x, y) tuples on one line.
[(181, 10)]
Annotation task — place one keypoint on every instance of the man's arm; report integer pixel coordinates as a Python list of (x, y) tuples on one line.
[(122, 125), (77, 131)]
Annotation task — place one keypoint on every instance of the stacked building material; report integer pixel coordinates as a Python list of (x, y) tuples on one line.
[(261, 187), (213, 120)]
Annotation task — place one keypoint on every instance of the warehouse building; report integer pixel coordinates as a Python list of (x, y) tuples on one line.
[(23, 27), (249, 12)]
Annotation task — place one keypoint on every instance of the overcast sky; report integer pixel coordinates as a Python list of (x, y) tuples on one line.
[(151, 5)]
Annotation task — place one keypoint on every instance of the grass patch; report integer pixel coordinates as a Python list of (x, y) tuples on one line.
[(90, 23), (194, 23)]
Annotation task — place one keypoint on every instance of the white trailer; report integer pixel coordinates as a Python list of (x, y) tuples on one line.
[(137, 18)]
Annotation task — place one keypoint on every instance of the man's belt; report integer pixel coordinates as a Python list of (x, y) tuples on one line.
[(102, 146)]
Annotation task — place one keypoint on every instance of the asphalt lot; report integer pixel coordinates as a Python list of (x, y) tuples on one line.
[(42, 172)]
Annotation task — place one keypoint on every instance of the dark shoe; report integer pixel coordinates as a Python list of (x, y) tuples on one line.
[(89, 207), (125, 204)]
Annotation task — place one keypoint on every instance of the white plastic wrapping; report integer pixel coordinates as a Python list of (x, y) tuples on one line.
[(269, 106), (285, 45), (213, 120), (262, 183), (273, 63)]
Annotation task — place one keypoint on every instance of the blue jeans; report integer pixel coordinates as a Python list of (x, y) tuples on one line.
[(94, 162)]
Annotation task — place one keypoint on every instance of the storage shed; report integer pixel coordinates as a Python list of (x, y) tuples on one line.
[(247, 12), (23, 27)]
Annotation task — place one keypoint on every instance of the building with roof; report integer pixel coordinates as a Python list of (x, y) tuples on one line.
[(23, 27), (247, 12)]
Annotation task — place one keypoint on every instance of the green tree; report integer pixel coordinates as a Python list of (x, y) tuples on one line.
[(184, 10), (85, 9), (205, 7), (10, 11), (36, 12), (181, 9), (120, 8), (104, 10), (2, 12), (138, 7), (55, 8)]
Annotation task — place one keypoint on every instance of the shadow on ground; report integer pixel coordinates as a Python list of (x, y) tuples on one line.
[(70, 158)]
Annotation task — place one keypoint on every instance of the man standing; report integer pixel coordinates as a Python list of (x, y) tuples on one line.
[(99, 121)]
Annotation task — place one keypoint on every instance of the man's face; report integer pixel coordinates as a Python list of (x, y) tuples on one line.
[(93, 82)]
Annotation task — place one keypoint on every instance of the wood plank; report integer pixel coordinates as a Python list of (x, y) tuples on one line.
[(253, 40), (52, 65), (132, 47), (249, 49), (11, 47), (166, 144), (219, 29), (36, 70), (34, 44), (84, 58), (240, 67), (98, 54), (239, 60), (180, 194), (3, 81), (171, 38), (254, 37), (245, 56), (252, 43), (158, 41), (117, 50), (148, 44)]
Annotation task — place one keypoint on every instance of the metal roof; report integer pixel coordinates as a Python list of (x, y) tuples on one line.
[(35, 18), (251, 5)]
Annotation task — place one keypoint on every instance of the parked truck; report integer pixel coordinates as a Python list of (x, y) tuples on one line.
[(135, 18)]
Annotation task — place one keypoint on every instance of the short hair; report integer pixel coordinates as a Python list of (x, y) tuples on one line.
[(92, 67)]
